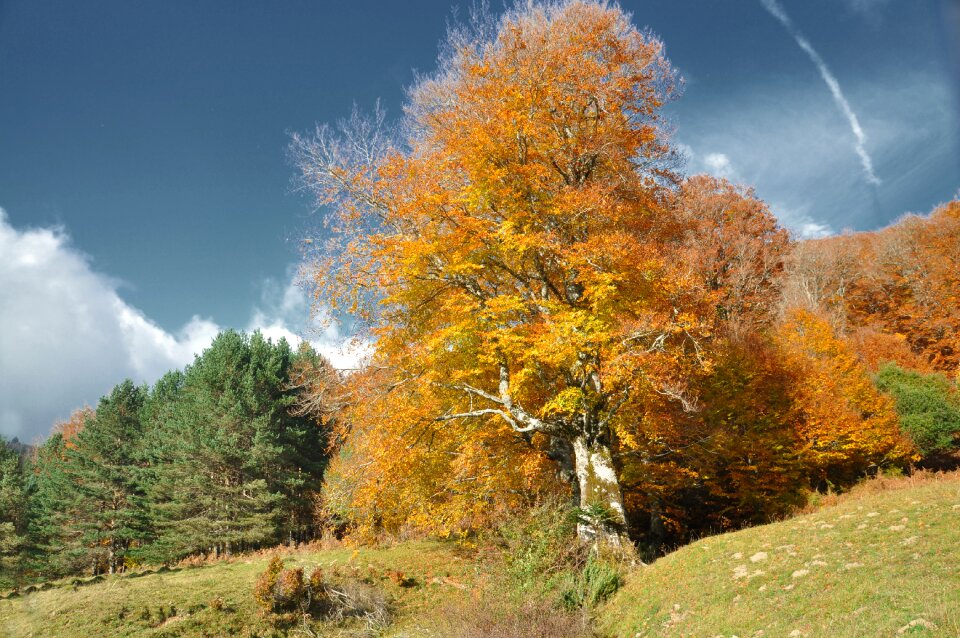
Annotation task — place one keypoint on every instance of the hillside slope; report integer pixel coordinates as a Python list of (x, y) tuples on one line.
[(876, 564), (217, 600), (885, 561)]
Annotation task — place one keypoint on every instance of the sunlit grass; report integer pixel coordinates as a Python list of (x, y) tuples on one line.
[(182, 602), (876, 562)]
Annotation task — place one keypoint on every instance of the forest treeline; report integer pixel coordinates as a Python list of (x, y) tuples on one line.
[(213, 459), (557, 312)]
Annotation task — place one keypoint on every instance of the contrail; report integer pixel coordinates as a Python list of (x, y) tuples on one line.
[(777, 12)]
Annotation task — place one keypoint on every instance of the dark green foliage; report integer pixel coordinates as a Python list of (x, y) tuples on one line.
[(231, 466), (13, 515), (928, 406), (212, 458), (89, 505)]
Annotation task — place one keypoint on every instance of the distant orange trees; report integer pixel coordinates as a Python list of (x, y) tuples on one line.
[(902, 282), (70, 428)]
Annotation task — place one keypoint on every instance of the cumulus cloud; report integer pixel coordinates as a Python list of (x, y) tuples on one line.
[(719, 164), (67, 337), (712, 162), (285, 312), (860, 138)]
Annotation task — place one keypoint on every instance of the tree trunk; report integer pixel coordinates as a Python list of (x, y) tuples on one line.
[(601, 500)]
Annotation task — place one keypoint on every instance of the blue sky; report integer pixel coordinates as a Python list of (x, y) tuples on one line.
[(147, 194)]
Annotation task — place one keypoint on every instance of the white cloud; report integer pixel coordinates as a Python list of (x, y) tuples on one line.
[(285, 312), (67, 337), (795, 218), (799, 221), (719, 164), (781, 138), (712, 162)]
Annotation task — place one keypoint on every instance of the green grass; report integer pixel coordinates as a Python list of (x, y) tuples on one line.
[(868, 566), (180, 602)]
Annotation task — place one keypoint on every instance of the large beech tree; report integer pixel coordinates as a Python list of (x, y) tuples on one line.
[(515, 250)]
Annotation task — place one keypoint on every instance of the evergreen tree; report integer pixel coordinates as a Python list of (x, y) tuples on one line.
[(90, 503), (13, 515), (55, 548), (232, 467)]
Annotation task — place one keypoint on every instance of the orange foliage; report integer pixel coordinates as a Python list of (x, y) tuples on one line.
[(902, 281), (847, 425), (541, 287), (70, 428), (875, 347), (517, 264), (735, 245), (399, 470), (911, 284)]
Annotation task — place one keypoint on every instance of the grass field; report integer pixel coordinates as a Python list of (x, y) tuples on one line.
[(216, 600), (882, 561)]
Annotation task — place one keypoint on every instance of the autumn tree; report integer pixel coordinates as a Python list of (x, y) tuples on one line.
[(847, 426), (444, 481), (73, 425), (893, 291), (515, 255), (735, 249), (733, 459)]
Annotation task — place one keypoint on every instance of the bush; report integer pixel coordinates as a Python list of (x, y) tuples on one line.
[(541, 545), (285, 597), (928, 406), (289, 592), (280, 590), (263, 590), (598, 580)]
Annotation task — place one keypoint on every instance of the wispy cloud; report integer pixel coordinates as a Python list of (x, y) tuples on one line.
[(777, 11), (796, 218)]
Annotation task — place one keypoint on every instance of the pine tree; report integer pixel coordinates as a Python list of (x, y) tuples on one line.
[(231, 466), (108, 517), (13, 515)]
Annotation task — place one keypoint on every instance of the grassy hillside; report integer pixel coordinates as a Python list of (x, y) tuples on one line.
[(216, 600), (884, 561)]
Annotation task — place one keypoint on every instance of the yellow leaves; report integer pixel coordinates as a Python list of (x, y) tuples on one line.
[(567, 401)]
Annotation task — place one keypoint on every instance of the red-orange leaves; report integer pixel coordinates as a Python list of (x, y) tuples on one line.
[(847, 425)]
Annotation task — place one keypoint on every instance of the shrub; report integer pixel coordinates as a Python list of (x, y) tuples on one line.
[(285, 597), (263, 590), (280, 590), (289, 592), (928, 406), (598, 580)]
